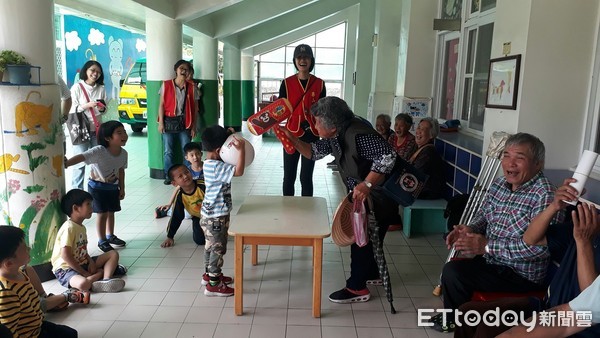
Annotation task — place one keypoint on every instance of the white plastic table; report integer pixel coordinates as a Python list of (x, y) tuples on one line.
[(280, 220)]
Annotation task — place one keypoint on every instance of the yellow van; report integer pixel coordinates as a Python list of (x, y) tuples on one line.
[(132, 98)]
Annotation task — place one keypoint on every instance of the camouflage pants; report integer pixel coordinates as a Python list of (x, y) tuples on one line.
[(215, 231)]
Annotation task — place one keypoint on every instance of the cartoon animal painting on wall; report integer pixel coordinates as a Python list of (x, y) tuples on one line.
[(115, 50), (32, 115), (6, 162)]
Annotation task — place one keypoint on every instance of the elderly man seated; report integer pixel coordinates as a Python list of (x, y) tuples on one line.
[(575, 245), (503, 261)]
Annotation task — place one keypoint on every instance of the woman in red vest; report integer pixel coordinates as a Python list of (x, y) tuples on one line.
[(302, 90), (176, 113)]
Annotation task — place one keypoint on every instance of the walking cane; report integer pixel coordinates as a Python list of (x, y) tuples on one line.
[(486, 177)]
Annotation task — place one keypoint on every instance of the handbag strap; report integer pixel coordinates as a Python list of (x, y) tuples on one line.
[(414, 156), (93, 113)]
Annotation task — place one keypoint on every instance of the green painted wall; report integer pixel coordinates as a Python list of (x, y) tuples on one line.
[(247, 99), (232, 104), (155, 155), (210, 100)]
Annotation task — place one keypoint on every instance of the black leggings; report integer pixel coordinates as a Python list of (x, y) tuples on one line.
[(290, 169)]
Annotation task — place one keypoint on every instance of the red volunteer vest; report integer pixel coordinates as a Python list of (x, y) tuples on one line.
[(170, 103), (302, 105)]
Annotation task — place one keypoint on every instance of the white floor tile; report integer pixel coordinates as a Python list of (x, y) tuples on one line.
[(163, 296)]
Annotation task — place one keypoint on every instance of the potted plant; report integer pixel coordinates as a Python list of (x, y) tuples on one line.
[(12, 58)]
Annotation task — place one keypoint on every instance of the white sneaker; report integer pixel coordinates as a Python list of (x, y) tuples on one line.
[(108, 285)]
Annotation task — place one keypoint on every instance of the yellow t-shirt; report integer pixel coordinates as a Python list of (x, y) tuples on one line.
[(75, 236), (20, 307)]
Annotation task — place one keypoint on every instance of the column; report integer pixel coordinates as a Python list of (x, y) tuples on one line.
[(31, 161), (206, 70), (164, 43), (247, 84), (232, 88)]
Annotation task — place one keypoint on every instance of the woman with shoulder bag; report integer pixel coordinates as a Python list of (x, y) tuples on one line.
[(176, 112), (89, 101)]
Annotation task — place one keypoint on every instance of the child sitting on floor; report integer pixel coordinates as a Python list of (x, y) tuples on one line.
[(71, 263), (193, 154), (20, 310), (189, 197)]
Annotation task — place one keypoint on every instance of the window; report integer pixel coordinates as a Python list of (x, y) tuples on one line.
[(476, 46), (446, 83), (329, 51)]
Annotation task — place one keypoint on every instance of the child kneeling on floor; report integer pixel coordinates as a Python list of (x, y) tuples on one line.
[(20, 311), (216, 207), (71, 263)]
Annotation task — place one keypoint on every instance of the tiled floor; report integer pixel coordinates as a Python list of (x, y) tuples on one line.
[(163, 296)]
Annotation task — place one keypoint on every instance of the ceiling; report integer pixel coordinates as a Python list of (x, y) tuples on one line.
[(236, 22)]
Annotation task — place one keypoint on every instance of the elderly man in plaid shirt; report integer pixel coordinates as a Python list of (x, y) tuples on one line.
[(503, 261)]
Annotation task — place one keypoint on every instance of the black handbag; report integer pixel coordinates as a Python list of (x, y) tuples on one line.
[(79, 128), (405, 183), (174, 124)]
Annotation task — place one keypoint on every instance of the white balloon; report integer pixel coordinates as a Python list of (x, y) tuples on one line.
[(229, 154)]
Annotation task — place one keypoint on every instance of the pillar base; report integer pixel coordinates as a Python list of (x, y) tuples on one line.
[(157, 174)]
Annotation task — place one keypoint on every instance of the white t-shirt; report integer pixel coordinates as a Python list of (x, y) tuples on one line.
[(104, 165), (95, 92), (589, 300)]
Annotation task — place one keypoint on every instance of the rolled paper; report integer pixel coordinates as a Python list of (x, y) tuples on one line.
[(583, 170), (586, 163)]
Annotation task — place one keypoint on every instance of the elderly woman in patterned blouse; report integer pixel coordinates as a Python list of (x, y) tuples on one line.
[(364, 158)]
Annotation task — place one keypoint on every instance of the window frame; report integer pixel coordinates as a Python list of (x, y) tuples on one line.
[(473, 23), (443, 38)]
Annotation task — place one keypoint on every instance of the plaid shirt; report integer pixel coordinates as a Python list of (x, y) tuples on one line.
[(503, 218)]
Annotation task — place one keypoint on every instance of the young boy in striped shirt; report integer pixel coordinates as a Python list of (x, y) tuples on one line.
[(216, 206), (20, 310)]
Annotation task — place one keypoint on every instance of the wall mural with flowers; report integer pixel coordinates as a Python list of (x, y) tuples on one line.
[(31, 165)]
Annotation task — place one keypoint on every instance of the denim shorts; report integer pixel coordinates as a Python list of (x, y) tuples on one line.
[(64, 276)]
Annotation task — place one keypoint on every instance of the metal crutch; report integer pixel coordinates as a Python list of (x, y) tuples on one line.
[(486, 176)]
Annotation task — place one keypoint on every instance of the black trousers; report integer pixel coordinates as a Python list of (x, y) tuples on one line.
[(290, 170), (197, 233), (363, 266), (51, 330), (460, 278)]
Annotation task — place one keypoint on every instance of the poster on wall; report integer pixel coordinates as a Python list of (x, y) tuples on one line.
[(114, 48), (503, 82)]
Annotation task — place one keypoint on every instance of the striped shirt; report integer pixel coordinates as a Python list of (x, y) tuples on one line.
[(20, 307), (503, 218), (217, 198)]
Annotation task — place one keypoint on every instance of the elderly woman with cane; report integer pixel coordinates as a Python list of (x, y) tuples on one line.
[(364, 158)]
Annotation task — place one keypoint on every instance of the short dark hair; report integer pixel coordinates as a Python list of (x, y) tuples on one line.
[(214, 137), (538, 150), (106, 130), (181, 62), (10, 239), (74, 197), (192, 146), (83, 72), (405, 117), (173, 168)]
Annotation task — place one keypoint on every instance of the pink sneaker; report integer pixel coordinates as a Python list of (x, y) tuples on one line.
[(219, 290), (225, 279)]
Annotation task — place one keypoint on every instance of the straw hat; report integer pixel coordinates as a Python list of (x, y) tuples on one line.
[(341, 229)]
